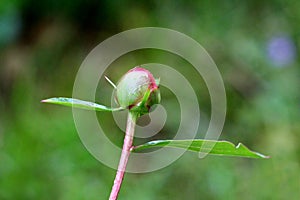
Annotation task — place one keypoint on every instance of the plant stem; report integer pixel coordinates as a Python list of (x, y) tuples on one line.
[(131, 121)]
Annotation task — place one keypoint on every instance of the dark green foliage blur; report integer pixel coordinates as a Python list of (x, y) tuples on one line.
[(255, 45)]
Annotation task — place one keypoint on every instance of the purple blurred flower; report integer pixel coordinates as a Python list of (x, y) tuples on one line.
[(281, 51)]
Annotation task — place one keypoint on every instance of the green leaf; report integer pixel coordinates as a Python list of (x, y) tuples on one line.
[(157, 81), (79, 104), (221, 148)]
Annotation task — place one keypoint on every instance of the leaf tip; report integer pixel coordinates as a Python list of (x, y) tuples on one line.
[(259, 155), (45, 101), (262, 156)]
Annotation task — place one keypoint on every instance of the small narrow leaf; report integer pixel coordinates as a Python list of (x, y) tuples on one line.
[(221, 148), (79, 104), (110, 82)]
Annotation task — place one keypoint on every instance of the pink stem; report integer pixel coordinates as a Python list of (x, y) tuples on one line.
[(131, 120)]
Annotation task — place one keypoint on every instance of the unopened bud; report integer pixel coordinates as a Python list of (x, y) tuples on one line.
[(138, 90)]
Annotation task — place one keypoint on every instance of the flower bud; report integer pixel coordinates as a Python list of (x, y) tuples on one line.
[(137, 90)]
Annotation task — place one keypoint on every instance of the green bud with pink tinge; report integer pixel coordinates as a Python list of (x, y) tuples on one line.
[(137, 90)]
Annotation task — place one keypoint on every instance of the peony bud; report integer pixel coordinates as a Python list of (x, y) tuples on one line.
[(137, 90)]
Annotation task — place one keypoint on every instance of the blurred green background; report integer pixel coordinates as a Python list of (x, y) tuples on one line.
[(254, 44)]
